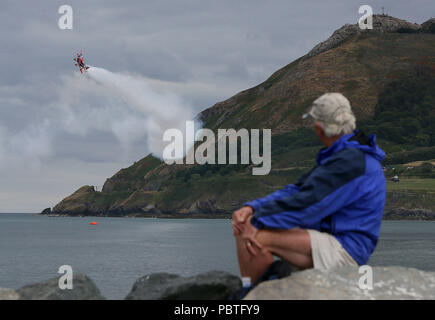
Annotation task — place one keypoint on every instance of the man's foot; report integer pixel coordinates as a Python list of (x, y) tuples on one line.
[(277, 270)]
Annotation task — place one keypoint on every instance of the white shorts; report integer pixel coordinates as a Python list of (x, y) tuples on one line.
[(327, 251)]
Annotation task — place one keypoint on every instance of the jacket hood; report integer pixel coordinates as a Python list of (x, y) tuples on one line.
[(358, 140)]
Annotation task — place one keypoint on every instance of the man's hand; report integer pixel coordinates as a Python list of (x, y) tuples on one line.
[(240, 217)]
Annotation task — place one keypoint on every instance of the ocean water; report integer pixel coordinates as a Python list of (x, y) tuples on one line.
[(119, 250)]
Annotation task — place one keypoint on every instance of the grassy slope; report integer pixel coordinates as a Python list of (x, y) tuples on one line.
[(359, 68), (411, 193)]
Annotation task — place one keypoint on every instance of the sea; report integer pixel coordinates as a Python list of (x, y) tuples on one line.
[(115, 252)]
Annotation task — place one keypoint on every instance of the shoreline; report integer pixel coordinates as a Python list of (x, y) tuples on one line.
[(204, 216), (144, 216), (402, 215)]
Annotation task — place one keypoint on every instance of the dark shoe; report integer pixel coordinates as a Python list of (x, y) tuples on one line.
[(277, 270)]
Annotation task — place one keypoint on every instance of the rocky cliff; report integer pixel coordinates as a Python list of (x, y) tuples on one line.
[(381, 24)]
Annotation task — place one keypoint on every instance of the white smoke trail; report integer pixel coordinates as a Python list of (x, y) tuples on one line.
[(160, 111), (124, 106)]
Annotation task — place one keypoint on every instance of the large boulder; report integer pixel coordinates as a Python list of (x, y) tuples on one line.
[(8, 294), (213, 285), (389, 283), (83, 289)]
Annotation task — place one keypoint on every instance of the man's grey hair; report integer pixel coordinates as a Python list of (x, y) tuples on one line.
[(334, 114)]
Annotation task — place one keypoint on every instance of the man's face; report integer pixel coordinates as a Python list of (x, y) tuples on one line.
[(317, 128)]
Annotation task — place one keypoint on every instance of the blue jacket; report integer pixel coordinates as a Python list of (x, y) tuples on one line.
[(344, 195)]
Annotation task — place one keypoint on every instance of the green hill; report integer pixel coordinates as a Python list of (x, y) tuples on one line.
[(387, 74)]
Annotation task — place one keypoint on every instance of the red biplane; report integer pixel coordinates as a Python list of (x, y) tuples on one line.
[(80, 62)]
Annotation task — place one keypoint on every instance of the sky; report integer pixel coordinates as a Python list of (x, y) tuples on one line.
[(59, 131)]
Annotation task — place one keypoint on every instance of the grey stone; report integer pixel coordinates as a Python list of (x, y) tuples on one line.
[(83, 289), (8, 294), (389, 283), (213, 285), (204, 206)]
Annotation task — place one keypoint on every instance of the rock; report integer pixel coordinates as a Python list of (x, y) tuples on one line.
[(381, 24), (8, 294), (391, 24), (151, 287), (389, 283), (83, 289), (428, 26), (204, 206), (149, 208), (46, 211), (213, 285), (337, 37)]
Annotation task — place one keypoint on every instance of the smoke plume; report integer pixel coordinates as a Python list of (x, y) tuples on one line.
[(119, 105)]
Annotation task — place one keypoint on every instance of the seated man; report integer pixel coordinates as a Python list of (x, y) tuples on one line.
[(332, 215)]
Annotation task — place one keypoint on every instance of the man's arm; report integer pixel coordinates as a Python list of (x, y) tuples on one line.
[(277, 195), (328, 189), (241, 216), (287, 191)]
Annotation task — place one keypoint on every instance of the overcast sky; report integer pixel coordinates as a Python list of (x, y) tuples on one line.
[(203, 51)]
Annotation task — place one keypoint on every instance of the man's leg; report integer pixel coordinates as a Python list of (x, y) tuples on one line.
[(252, 266), (291, 245)]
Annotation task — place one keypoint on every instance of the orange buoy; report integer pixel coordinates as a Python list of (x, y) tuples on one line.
[(94, 223)]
